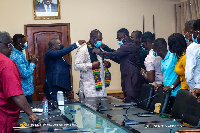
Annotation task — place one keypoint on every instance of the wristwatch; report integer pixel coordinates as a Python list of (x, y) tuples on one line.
[(172, 87), (143, 73)]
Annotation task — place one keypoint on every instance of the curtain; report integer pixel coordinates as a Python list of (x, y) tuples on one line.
[(185, 11)]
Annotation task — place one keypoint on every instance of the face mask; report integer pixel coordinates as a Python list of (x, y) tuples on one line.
[(155, 54), (194, 39), (187, 40), (61, 46), (120, 43), (25, 46), (143, 48), (98, 44)]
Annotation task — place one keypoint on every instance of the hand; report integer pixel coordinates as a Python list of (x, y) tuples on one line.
[(32, 119), (81, 42), (195, 91), (34, 59), (95, 51), (157, 86), (198, 100), (96, 64), (103, 45), (166, 88), (107, 64), (142, 71)]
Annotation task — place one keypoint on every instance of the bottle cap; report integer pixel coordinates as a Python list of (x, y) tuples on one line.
[(45, 97)]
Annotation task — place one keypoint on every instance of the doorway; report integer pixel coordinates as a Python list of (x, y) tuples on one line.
[(38, 36)]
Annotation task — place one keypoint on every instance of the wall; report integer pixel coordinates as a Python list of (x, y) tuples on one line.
[(85, 15)]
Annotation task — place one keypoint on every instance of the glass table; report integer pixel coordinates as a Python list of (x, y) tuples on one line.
[(88, 119)]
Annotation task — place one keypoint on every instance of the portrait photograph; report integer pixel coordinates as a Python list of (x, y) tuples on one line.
[(46, 9)]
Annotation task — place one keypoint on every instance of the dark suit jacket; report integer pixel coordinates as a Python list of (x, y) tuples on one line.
[(128, 57), (40, 8), (57, 69)]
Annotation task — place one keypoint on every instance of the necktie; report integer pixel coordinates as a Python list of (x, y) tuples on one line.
[(48, 8)]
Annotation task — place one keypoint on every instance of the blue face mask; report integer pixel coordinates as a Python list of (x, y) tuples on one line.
[(143, 48), (25, 45), (187, 40), (155, 54), (98, 44), (120, 43), (194, 39)]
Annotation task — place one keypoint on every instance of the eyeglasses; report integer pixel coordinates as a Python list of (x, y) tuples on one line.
[(10, 45)]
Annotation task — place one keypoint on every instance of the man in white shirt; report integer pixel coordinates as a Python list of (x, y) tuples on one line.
[(91, 66), (152, 61), (192, 69)]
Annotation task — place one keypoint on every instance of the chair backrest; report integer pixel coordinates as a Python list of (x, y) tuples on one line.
[(180, 104), (191, 114), (146, 93), (186, 108), (162, 98)]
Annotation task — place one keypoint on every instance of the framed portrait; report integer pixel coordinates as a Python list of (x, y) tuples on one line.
[(46, 9)]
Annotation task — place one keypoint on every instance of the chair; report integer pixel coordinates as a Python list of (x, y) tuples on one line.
[(162, 98), (180, 104), (145, 97), (191, 114), (186, 108)]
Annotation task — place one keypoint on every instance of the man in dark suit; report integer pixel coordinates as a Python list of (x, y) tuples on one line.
[(57, 69), (128, 57), (46, 6)]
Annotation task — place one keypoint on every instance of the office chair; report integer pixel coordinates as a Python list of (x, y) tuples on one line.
[(162, 98), (146, 94)]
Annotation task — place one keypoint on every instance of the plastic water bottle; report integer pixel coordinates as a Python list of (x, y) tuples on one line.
[(60, 98), (45, 105)]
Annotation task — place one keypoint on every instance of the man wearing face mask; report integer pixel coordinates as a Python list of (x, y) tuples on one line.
[(26, 67), (171, 81), (152, 61), (136, 37), (57, 68), (128, 57), (192, 69), (12, 97), (91, 66), (188, 31)]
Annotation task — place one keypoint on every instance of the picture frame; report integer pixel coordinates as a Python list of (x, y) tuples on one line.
[(46, 9)]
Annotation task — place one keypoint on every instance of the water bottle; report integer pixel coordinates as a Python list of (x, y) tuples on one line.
[(45, 106), (60, 98)]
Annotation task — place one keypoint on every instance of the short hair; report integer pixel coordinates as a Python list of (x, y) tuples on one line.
[(94, 33), (123, 31), (138, 34), (177, 44), (52, 42), (196, 25), (189, 25), (4, 36), (17, 37), (147, 36), (160, 43)]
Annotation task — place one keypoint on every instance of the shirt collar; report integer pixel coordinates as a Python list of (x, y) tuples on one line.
[(45, 6), (17, 51), (167, 56)]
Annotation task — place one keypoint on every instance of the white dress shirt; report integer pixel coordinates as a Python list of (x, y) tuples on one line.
[(192, 68), (154, 63)]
